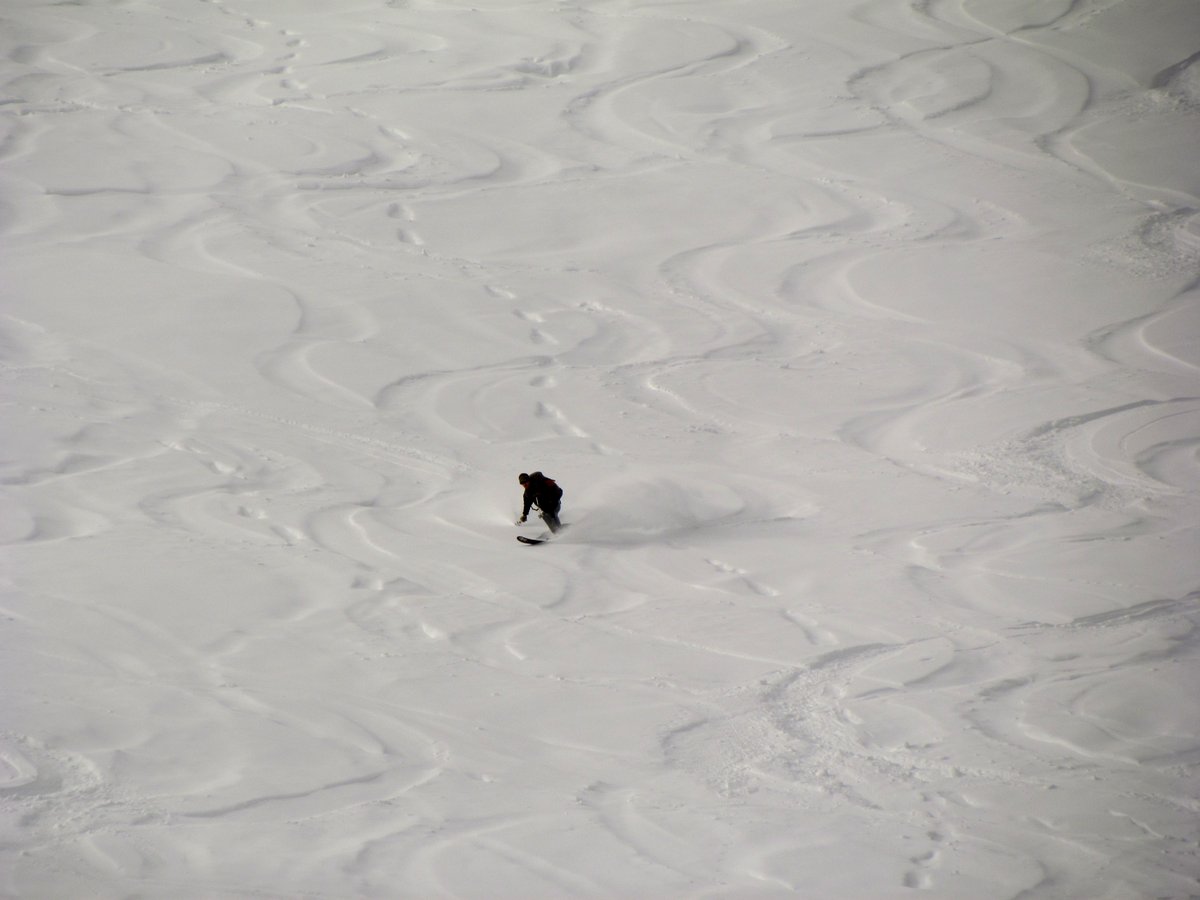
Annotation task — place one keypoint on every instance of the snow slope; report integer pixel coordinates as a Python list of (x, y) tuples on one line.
[(863, 336)]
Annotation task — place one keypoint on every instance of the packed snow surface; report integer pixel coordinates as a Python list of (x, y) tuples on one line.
[(863, 335)]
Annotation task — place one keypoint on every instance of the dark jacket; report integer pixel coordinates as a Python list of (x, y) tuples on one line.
[(542, 492)]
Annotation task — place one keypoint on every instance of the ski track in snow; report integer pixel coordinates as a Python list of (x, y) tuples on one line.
[(863, 338)]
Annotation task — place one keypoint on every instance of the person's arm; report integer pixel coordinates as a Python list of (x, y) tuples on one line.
[(528, 504)]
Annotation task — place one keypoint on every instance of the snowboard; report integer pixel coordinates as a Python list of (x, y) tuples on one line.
[(531, 541)]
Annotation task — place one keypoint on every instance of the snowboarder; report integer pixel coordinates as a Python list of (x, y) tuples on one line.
[(543, 493)]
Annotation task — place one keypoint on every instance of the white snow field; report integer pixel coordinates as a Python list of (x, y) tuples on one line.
[(863, 335)]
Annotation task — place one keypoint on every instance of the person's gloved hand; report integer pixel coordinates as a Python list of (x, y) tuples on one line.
[(521, 521)]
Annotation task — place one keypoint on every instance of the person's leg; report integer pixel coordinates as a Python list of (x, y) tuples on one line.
[(550, 517)]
